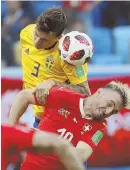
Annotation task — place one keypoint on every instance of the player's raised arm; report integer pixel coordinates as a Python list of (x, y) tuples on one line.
[(80, 88), (20, 104), (42, 89)]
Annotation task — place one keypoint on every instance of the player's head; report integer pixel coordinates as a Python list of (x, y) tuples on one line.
[(49, 27), (109, 100)]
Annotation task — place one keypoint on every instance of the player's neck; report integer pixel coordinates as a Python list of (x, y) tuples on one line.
[(87, 107), (87, 102), (51, 46)]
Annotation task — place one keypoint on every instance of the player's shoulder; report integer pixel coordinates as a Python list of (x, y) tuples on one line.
[(26, 31), (62, 90)]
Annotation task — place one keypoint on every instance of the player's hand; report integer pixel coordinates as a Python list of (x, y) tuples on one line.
[(42, 90)]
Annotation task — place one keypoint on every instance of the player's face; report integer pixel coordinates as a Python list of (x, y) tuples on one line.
[(43, 40), (104, 104)]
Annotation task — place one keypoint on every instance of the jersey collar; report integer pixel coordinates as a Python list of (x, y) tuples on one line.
[(51, 46), (81, 107), (81, 102)]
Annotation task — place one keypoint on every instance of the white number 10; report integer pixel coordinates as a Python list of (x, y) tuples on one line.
[(66, 135)]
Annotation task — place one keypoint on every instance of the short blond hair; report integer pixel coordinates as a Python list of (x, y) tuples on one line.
[(124, 91)]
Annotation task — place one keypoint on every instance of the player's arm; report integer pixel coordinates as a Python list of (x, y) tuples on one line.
[(77, 76), (51, 144), (84, 151), (80, 88), (90, 140), (20, 104), (41, 142), (42, 89)]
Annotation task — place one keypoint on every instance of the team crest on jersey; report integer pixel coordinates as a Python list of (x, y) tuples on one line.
[(49, 62), (64, 112), (86, 128)]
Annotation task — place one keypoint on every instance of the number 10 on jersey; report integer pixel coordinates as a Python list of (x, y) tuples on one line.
[(66, 135)]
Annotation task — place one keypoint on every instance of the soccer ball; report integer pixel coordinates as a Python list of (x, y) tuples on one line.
[(76, 48)]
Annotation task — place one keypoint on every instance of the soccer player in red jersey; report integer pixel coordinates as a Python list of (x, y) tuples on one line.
[(14, 140), (73, 116)]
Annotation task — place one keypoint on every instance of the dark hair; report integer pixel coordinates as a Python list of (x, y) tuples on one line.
[(53, 19)]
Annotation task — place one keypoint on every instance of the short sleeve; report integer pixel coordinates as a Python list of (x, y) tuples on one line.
[(26, 36), (94, 135), (23, 38), (75, 74)]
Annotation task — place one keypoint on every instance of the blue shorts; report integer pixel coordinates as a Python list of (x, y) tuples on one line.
[(85, 164), (36, 123)]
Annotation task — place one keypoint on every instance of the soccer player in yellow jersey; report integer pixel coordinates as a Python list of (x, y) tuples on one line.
[(41, 58)]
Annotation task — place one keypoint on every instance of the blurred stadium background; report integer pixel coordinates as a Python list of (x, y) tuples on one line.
[(108, 25)]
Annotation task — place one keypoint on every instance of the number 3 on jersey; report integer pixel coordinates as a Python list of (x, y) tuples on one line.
[(36, 67), (66, 135)]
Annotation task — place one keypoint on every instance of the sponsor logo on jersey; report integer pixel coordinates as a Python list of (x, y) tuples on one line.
[(64, 112), (49, 62), (26, 51), (97, 137), (86, 128)]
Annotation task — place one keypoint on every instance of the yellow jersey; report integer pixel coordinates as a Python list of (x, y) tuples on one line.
[(39, 65)]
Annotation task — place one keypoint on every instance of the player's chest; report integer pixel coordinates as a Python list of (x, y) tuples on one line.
[(72, 121), (41, 59), (73, 130)]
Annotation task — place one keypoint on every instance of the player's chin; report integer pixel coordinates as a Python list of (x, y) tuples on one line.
[(98, 118), (38, 46)]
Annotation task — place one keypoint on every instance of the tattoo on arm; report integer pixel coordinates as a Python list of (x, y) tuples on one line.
[(80, 88)]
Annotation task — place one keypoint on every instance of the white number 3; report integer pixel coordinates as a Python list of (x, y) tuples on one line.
[(66, 135)]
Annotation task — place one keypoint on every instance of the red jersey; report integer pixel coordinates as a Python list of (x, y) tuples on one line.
[(12, 142), (64, 115)]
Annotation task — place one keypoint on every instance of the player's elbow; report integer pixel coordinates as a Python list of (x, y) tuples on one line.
[(23, 95), (26, 96)]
